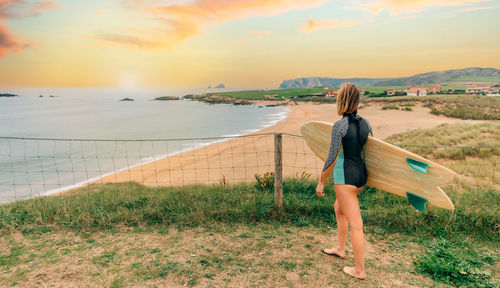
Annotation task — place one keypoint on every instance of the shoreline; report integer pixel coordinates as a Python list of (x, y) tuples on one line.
[(213, 141), (239, 159)]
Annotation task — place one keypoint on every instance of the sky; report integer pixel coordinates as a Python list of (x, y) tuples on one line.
[(241, 43)]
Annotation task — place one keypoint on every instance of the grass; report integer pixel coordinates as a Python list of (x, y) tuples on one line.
[(482, 79), (379, 89), (455, 264), (285, 93), (457, 106), (117, 235), (305, 93), (116, 210), (390, 107), (477, 167)]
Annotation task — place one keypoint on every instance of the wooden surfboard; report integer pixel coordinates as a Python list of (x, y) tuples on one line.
[(390, 168)]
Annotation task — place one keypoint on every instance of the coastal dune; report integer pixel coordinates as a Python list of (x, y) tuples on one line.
[(239, 159)]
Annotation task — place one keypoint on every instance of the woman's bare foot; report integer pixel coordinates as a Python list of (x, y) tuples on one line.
[(334, 252), (354, 273)]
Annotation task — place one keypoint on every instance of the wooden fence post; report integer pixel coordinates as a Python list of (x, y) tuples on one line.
[(278, 172)]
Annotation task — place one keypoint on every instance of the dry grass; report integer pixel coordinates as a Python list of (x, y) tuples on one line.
[(478, 168), (220, 256), (457, 106)]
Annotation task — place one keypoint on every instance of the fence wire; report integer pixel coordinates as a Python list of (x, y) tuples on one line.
[(31, 167)]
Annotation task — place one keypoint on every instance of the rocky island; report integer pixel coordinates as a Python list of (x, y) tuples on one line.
[(8, 95), (167, 98), (217, 99)]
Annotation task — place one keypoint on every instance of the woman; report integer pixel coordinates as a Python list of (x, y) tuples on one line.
[(349, 176)]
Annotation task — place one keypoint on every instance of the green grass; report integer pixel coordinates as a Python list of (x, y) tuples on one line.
[(390, 107), (286, 93), (456, 264), (379, 89), (479, 79), (106, 207), (312, 94), (131, 204)]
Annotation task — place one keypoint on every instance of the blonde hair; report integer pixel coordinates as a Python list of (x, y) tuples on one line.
[(347, 99)]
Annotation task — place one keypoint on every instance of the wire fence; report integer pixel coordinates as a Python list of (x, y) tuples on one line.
[(31, 167)]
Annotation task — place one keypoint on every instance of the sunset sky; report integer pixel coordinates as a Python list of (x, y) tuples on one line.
[(241, 43)]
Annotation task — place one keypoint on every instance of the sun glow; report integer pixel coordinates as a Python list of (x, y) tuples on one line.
[(129, 80)]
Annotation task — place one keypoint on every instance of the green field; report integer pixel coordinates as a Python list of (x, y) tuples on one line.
[(479, 79), (309, 92), (286, 93)]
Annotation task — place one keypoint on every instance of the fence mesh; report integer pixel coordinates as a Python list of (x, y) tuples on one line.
[(31, 167)]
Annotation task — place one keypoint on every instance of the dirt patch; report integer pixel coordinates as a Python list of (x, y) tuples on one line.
[(219, 256)]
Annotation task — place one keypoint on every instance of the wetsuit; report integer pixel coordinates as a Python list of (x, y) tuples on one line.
[(348, 167)]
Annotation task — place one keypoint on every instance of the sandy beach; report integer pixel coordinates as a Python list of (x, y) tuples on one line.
[(239, 159)]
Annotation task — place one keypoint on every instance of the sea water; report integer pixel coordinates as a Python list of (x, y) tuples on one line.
[(71, 136)]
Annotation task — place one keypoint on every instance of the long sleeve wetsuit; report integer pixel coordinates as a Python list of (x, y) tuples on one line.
[(348, 166)]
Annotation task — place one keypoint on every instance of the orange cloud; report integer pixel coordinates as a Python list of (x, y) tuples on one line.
[(12, 9), (410, 6), (313, 25), (186, 20), (127, 40)]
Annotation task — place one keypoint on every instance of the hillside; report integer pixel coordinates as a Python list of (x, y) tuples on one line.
[(418, 79), (442, 76), (310, 82)]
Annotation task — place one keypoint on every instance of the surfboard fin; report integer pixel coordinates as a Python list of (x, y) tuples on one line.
[(417, 165), (416, 201)]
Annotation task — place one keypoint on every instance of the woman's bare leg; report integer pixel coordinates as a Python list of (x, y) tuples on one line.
[(347, 196), (342, 230)]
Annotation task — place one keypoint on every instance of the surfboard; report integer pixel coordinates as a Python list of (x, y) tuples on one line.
[(390, 168)]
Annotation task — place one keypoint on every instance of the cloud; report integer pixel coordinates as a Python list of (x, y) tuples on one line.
[(8, 42), (127, 40), (468, 9), (14, 9), (313, 25), (396, 7), (181, 21)]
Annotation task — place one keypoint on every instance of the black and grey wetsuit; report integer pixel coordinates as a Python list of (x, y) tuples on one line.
[(348, 167)]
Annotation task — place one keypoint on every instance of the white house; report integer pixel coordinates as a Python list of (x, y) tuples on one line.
[(416, 92)]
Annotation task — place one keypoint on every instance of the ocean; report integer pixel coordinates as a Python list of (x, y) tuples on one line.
[(71, 136)]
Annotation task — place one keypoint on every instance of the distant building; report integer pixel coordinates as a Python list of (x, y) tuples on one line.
[(330, 93), (361, 91), (393, 91), (416, 92), (435, 89), (272, 96), (494, 90), (480, 89)]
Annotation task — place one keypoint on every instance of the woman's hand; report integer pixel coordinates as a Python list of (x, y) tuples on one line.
[(319, 189)]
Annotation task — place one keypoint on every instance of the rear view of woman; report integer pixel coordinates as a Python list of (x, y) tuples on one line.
[(350, 133)]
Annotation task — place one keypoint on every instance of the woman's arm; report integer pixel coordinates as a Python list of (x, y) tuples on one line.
[(338, 132), (369, 128)]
